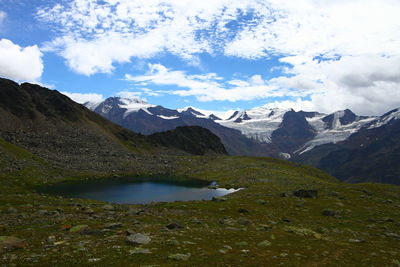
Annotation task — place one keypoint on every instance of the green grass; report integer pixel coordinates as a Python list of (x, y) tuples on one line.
[(316, 240)]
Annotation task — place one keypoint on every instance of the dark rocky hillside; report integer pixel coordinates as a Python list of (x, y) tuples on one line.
[(193, 139), (53, 127)]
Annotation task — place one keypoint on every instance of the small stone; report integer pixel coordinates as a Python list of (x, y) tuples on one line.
[(356, 241), (244, 221), (108, 207), (112, 225), (219, 199), (172, 242), (393, 235), (303, 193), (51, 239), (138, 239), (242, 244), (242, 210), (173, 226), (261, 201), (10, 210), (44, 212), (88, 211), (195, 221), (179, 257), (139, 251), (134, 211), (228, 247), (222, 251), (329, 212), (227, 221), (368, 193), (94, 259), (264, 227), (9, 243), (79, 228), (264, 243)]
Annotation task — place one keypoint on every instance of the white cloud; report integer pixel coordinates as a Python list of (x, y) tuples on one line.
[(367, 84), (337, 54), (129, 94), (83, 98), (209, 86), (20, 63)]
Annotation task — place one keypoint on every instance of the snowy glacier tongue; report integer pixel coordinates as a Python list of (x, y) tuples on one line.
[(338, 132), (134, 105), (262, 123)]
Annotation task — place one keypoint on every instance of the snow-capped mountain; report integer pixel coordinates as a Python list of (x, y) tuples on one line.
[(280, 132), (145, 118), (348, 146)]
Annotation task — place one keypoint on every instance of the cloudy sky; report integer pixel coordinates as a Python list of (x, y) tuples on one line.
[(322, 55)]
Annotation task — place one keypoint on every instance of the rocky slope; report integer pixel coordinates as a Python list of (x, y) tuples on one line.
[(66, 134)]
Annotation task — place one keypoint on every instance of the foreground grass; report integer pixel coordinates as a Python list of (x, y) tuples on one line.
[(364, 231)]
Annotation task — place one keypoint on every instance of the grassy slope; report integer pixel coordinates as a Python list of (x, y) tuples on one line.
[(309, 239)]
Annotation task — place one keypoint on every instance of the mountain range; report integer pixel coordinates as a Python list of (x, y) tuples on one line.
[(334, 142)]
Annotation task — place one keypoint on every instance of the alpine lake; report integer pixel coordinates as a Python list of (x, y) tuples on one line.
[(137, 190)]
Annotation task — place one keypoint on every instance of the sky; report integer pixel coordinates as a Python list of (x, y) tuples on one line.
[(314, 55)]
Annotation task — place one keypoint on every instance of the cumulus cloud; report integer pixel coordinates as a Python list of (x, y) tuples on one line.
[(83, 98), (346, 51), (20, 63), (210, 86)]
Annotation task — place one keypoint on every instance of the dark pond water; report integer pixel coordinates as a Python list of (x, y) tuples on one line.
[(134, 191)]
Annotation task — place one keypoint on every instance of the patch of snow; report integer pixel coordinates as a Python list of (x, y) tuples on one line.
[(106, 108), (168, 118), (134, 105), (92, 105), (285, 155)]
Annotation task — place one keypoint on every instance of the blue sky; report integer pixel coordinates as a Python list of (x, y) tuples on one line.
[(211, 54)]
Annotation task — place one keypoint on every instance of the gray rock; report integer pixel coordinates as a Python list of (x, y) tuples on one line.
[(351, 240), (138, 239), (139, 251), (179, 257), (113, 225), (306, 193), (9, 243), (219, 199), (242, 210), (108, 207), (173, 226), (329, 212), (264, 243)]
